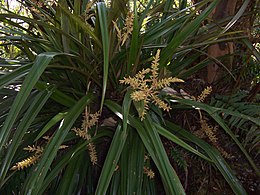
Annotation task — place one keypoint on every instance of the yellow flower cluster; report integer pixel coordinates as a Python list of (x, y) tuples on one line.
[(26, 163), (204, 94), (92, 153), (30, 160), (124, 34), (206, 129), (149, 172), (38, 150), (147, 86), (210, 132), (89, 121), (128, 27)]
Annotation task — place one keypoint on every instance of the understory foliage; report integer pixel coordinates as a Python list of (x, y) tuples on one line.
[(91, 92)]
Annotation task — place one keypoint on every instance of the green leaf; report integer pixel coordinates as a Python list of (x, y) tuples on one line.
[(14, 75), (83, 25), (26, 121), (41, 62), (115, 149), (132, 164), (102, 16), (184, 34), (215, 156), (126, 107), (170, 179), (112, 158), (237, 16), (51, 123), (214, 113), (252, 48), (70, 156), (178, 141), (153, 144), (57, 95), (136, 44), (65, 26), (72, 173), (35, 181)]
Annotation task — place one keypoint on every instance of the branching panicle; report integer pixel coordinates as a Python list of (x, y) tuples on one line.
[(210, 132), (157, 101), (92, 153), (128, 28), (89, 121), (146, 88), (36, 149), (87, 14), (125, 33), (80, 133)]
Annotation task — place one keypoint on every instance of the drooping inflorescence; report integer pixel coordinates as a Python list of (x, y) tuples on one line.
[(89, 121), (206, 129)]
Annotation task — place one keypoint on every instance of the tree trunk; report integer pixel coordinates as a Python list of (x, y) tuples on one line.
[(224, 9)]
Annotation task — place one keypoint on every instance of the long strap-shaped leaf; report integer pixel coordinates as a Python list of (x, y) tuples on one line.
[(72, 175), (134, 52), (184, 34), (134, 164), (26, 121), (214, 113), (153, 144), (112, 158), (57, 95), (115, 150), (36, 179), (170, 179), (38, 67), (58, 117), (70, 155), (214, 155), (14, 75), (116, 109), (237, 16), (80, 23), (178, 141), (102, 16), (252, 48)]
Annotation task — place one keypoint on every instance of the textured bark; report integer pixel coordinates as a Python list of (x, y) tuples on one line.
[(224, 9)]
